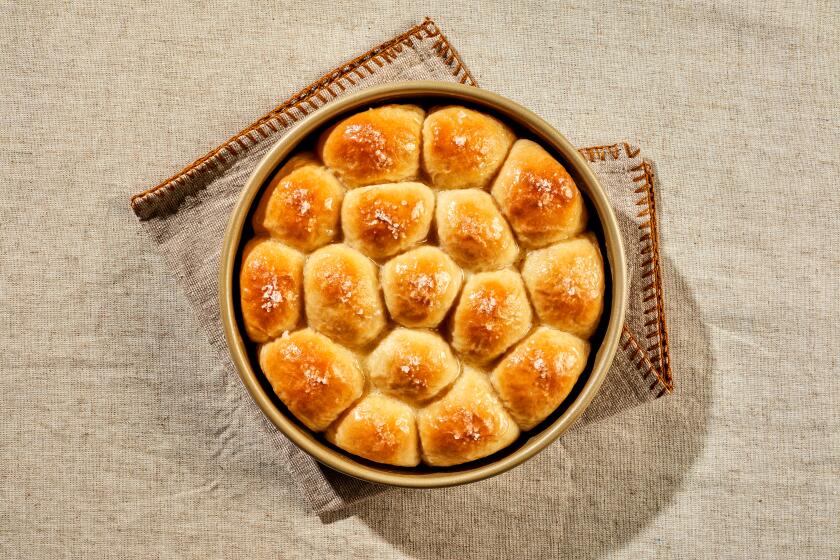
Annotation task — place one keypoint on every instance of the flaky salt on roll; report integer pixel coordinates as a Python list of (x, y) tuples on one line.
[(314, 377), (566, 283), (420, 286), (301, 205), (383, 220), (269, 288), (538, 196), (466, 424), (538, 375), (493, 313), (412, 365), (463, 148), (378, 428), (380, 145), (473, 231), (341, 293)]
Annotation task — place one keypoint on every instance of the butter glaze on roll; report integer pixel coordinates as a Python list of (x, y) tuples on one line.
[(492, 314), (420, 286), (378, 428), (301, 205), (379, 145), (473, 231), (468, 423), (538, 196), (412, 365), (314, 377), (269, 288), (566, 283), (463, 148), (538, 375), (341, 292), (383, 220)]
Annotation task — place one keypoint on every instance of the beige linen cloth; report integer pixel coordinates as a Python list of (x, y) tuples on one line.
[(186, 216)]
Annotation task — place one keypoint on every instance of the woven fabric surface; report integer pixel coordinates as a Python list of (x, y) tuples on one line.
[(186, 215), (106, 445)]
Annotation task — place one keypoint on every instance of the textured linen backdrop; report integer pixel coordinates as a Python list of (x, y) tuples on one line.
[(736, 104)]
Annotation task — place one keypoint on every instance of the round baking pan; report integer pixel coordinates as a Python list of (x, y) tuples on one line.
[(602, 221)]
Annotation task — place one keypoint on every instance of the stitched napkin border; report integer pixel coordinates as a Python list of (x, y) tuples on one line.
[(204, 188)]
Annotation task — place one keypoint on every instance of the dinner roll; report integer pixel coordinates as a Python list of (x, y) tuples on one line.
[(492, 314), (538, 196), (269, 288), (314, 377), (375, 146), (539, 374), (378, 428), (463, 148), (473, 231), (420, 286), (341, 293), (466, 424), (412, 365), (566, 283), (383, 220), (301, 205)]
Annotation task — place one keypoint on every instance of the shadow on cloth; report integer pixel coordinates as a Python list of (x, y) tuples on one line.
[(587, 494)]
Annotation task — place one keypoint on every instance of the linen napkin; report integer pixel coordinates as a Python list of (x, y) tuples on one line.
[(186, 215)]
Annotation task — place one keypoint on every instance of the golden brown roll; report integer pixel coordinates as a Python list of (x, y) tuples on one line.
[(539, 374), (463, 148), (379, 145), (538, 196), (341, 293), (466, 424), (383, 220), (314, 377), (420, 286), (473, 231), (566, 283), (378, 428), (301, 205), (412, 365), (269, 288), (492, 314)]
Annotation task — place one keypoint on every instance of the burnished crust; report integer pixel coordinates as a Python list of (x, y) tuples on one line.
[(538, 375), (375, 146), (341, 292), (463, 148), (379, 428), (314, 377), (412, 365), (301, 205), (538, 197), (492, 314), (420, 286), (269, 288), (383, 220), (473, 231), (566, 283), (466, 424)]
